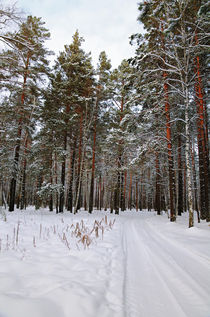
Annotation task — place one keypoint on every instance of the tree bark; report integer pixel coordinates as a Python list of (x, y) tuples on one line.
[(187, 154), (70, 191), (63, 175), (202, 145), (157, 193), (180, 178), (18, 142)]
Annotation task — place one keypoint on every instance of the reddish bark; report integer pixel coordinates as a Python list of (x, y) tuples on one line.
[(169, 143)]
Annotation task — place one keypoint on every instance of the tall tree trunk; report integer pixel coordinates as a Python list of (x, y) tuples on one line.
[(195, 184), (51, 182), (119, 189), (79, 168), (180, 179), (111, 201), (70, 191), (38, 187), (100, 193), (63, 174), (97, 196), (185, 187), (202, 145), (117, 193), (18, 142), (137, 200), (130, 193), (124, 191), (23, 189), (187, 154), (169, 146), (157, 192), (93, 158), (169, 141), (63, 165), (56, 182)]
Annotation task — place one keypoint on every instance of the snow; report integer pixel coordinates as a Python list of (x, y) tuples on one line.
[(137, 264)]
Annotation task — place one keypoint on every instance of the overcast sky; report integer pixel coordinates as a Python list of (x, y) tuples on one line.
[(104, 24)]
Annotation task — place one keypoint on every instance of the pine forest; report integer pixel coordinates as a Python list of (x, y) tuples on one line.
[(133, 137), (104, 170)]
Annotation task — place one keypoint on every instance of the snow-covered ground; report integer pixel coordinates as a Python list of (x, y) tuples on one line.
[(136, 264)]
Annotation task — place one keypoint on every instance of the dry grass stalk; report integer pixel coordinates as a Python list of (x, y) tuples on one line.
[(96, 232), (66, 241), (17, 232), (7, 245), (86, 240), (14, 236), (34, 242), (40, 231)]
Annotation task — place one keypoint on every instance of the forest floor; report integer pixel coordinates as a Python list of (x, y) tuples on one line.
[(136, 264)]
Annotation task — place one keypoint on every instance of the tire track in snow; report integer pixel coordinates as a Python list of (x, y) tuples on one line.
[(204, 260), (189, 269), (153, 287), (142, 298), (190, 295)]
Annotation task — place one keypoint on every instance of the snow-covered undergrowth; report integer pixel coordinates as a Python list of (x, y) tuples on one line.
[(131, 265), (23, 230)]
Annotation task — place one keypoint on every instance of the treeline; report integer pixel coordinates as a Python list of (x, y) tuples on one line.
[(76, 137)]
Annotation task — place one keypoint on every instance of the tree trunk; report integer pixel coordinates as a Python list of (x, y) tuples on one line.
[(137, 200), (124, 191), (51, 182), (187, 154), (70, 192), (56, 182), (79, 168), (180, 180), (38, 199), (100, 193), (63, 175), (93, 158), (157, 193), (169, 146), (130, 193), (117, 194), (202, 145), (169, 141), (17, 146), (195, 184)]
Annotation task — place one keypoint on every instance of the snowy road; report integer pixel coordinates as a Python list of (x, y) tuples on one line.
[(144, 267), (162, 277)]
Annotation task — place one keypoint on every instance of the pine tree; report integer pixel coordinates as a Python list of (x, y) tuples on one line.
[(30, 65), (73, 81), (103, 73)]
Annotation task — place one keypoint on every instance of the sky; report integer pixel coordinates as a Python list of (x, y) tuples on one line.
[(105, 25)]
